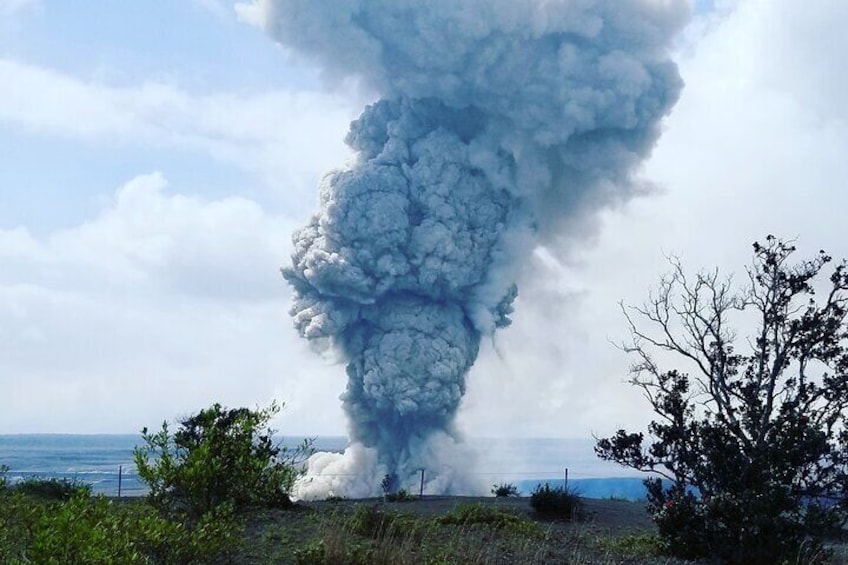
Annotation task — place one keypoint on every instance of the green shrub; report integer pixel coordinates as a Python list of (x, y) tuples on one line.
[(335, 551), (211, 539), (368, 521), (505, 490), (81, 530), (219, 456), (495, 518), (556, 502), (4, 482), (16, 513), (371, 522), (314, 553), (93, 530), (53, 489)]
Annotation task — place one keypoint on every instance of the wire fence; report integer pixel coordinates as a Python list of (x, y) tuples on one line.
[(584, 484), (126, 483)]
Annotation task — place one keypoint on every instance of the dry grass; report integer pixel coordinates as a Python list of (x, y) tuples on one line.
[(446, 530), (449, 531)]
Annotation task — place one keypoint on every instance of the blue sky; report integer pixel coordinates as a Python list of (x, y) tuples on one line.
[(156, 157), (194, 48)]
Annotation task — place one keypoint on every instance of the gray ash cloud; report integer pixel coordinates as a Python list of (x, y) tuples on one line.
[(500, 124)]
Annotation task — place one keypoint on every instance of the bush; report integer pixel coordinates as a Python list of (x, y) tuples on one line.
[(505, 490), (337, 550), (14, 518), (53, 489), (556, 502), (93, 530), (371, 522), (214, 538), (495, 518), (219, 456), (314, 553), (751, 443)]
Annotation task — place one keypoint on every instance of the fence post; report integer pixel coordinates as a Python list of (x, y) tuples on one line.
[(421, 489), (566, 479), (120, 477)]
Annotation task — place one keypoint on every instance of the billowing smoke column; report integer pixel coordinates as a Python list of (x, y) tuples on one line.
[(499, 121)]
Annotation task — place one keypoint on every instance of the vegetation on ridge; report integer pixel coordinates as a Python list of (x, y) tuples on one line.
[(752, 441)]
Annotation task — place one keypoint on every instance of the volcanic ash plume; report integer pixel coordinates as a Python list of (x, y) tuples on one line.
[(501, 124)]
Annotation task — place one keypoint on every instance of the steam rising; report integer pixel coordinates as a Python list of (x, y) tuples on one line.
[(500, 125)]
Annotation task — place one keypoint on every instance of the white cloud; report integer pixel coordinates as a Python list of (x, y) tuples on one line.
[(152, 241), (162, 302), (799, 49), (252, 12), (755, 146), (278, 134), (746, 154), (160, 305)]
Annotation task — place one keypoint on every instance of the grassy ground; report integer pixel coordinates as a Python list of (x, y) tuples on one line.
[(446, 530), (460, 530), (433, 531)]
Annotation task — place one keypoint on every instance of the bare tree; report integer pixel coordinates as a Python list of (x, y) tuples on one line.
[(751, 441)]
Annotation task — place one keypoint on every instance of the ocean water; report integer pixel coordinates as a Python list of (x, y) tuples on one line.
[(104, 460), (95, 459)]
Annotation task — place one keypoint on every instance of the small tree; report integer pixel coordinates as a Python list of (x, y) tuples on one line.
[(752, 444), (219, 456)]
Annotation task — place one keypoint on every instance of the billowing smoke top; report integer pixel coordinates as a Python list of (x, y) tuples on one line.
[(498, 121)]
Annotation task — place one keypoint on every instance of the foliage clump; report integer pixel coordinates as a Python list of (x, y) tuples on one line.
[(492, 517), (505, 490), (556, 502), (86, 530), (45, 488), (371, 522), (216, 464), (219, 456), (752, 441), (53, 489)]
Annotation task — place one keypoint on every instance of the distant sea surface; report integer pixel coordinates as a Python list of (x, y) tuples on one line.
[(105, 460)]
